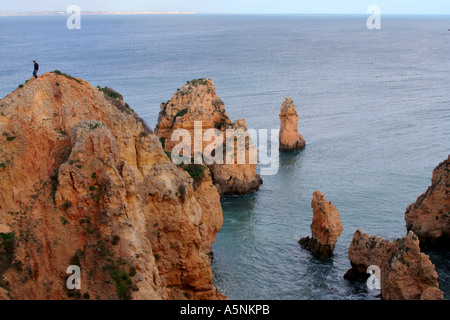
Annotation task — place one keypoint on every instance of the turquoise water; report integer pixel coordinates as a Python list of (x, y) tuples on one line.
[(374, 109)]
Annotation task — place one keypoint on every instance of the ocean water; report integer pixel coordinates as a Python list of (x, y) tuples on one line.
[(374, 108)]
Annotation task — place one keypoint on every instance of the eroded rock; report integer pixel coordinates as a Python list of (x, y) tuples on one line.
[(290, 138), (197, 101), (326, 227), (429, 216), (406, 273), (85, 182)]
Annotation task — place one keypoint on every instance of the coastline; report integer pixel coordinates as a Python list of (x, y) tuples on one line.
[(59, 13), (358, 185)]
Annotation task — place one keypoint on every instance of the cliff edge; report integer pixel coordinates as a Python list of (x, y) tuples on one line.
[(84, 182)]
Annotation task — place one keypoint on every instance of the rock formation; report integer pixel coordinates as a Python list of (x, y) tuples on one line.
[(406, 273), (429, 216), (209, 200), (326, 227), (290, 138), (84, 182), (198, 101)]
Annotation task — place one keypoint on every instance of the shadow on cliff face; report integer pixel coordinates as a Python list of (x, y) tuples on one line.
[(441, 261), (7, 244)]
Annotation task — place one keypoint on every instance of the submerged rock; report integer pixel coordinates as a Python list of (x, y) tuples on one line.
[(290, 138), (326, 227), (197, 101), (429, 216), (83, 181), (406, 273)]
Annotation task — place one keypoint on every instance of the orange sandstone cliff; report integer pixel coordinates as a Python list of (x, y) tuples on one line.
[(429, 216), (406, 273), (84, 182), (198, 101)]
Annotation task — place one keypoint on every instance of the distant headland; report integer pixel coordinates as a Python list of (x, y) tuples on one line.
[(57, 13)]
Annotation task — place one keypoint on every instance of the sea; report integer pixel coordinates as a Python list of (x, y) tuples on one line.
[(374, 109)]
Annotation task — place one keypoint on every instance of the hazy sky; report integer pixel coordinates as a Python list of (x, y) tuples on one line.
[(236, 6)]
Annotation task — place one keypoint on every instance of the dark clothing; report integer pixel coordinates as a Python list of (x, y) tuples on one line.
[(36, 68)]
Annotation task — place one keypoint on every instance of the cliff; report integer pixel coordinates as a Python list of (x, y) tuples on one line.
[(326, 227), (197, 101), (85, 182), (406, 273), (290, 138), (429, 216)]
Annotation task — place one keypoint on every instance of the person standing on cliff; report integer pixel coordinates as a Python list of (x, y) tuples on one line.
[(36, 69)]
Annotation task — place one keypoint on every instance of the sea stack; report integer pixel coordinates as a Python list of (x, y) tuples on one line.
[(197, 102), (406, 273), (326, 227), (429, 216), (290, 138), (84, 182)]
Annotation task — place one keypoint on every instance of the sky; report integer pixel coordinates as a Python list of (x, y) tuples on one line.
[(236, 6)]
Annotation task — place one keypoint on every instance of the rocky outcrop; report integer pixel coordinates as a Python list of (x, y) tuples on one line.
[(290, 138), (429, 216), (236, 179), (326, 227), (197, 101), (84, 182), (406, 273)]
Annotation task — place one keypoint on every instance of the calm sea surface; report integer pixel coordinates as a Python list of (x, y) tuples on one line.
[(374, 109)]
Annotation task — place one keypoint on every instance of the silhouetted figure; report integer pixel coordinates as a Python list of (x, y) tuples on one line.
[(36, 69)]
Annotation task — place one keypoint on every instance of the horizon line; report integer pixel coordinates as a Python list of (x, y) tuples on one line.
[(91, 12), (147, 12)]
